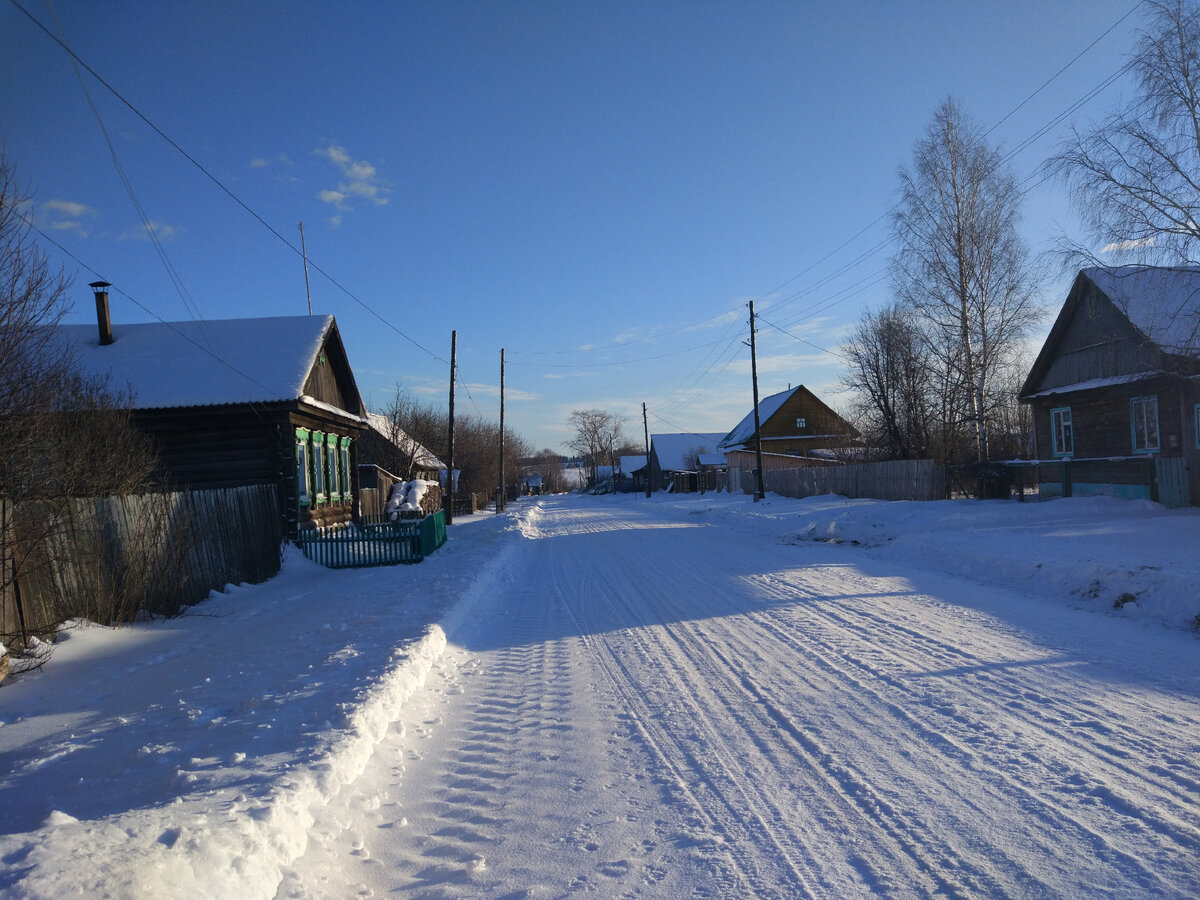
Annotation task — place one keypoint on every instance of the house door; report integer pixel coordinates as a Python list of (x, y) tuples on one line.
[(1171, 475)]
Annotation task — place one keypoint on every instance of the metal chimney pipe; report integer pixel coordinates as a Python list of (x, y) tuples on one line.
[(103, 319)]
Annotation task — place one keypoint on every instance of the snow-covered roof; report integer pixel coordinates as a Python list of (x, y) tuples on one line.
[(1163, 303), (632, 463), (1093, 384), (207, 363), (712, 459), (673, 450), (767, 407), (422, 458)]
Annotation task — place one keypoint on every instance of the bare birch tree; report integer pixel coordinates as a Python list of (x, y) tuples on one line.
[(65, 435), (596, 435), (889, 372), (961, 264), (1135, 177)]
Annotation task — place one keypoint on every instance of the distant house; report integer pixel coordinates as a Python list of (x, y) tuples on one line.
[(797, 429), (239, 401), (1115, 390), (673, 453)]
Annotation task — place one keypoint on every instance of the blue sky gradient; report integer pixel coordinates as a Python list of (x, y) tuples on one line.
[(598, 188)]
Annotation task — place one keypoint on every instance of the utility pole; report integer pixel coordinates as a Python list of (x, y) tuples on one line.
[(500, 497), (759, 491), (304, 256), (450, 442), (646, 432)]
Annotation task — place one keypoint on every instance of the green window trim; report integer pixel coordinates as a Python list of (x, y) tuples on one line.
[(331, 461), (303, 479), (347, 481), (318, 466), (1062, 432), (1143, 424)]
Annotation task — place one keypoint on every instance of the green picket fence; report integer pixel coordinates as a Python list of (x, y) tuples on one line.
[(357, 546)]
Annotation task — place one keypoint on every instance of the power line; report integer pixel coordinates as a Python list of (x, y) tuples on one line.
[(236, 199)]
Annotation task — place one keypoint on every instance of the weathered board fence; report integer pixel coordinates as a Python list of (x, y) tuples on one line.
[(905, 479), (159, 552)]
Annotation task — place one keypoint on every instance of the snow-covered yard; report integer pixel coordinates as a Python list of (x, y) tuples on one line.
[(668, 697)]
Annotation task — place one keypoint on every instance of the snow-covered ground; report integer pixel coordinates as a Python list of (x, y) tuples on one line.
[(678, 696)]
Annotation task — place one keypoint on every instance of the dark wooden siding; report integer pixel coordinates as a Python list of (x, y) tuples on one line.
[(331, 379), (1097, 342), (1101, 424)]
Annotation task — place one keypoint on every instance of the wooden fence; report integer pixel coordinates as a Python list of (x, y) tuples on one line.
[(915, 479), (357, 546), (160, 551)]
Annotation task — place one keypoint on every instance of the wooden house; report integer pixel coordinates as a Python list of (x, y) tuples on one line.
[(239, 401), (674, 453), (1115, 390), (794, 424)]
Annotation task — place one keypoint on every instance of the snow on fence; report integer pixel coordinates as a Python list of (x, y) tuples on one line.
[(361, 545), (106, 558), (905, 479)]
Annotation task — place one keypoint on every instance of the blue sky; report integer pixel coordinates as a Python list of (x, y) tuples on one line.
[(597, 188)]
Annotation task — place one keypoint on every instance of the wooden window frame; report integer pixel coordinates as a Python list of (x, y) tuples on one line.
[(344, 460), (333, 467), (303, 470), (1056, 418), (318, 467), (1138, 407)]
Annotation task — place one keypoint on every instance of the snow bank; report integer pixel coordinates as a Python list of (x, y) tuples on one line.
[(229, 843), (187, 758), (1132, 558)]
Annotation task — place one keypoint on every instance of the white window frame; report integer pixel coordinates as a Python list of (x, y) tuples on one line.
[(1062, 443), (1143, 417)]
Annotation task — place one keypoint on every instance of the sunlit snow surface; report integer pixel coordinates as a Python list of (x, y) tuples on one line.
[(686, 696)]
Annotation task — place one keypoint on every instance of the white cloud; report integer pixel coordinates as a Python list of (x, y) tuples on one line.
[(335, 221), (159, 230), (336, 198), (360, 180), (68, 208), (65, 215), (259, 163)]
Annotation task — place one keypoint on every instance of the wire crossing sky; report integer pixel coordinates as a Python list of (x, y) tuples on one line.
[(597, 188)]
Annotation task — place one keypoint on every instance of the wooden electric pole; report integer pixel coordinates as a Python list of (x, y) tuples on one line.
[(646, 432), (450, 441), (759, 491), (500, 498)]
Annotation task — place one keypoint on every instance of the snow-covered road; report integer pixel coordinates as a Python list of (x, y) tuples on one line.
[(643, 702)]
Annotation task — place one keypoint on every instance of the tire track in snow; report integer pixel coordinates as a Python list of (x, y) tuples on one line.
[(658, 645), (851, 795), (1062, 716), (972, 733)]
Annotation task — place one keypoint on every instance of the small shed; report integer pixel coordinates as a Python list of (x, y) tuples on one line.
[(673, 453)]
